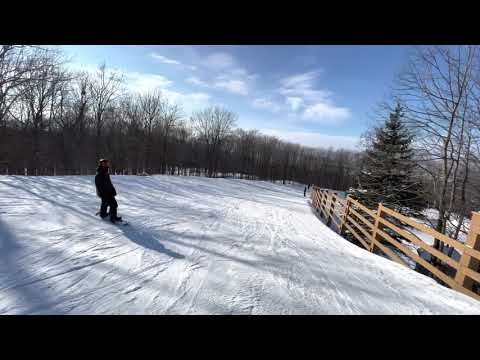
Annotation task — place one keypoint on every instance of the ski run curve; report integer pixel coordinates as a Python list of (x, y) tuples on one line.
[(193, 246)]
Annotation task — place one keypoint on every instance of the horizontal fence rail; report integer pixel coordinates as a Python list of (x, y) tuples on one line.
[(383, 229)]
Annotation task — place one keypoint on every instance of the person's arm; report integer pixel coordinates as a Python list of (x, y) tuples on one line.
[(111, 188), (100, 184)]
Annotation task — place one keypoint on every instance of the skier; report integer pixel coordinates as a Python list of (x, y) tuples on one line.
[(106, 192), (305, 191)]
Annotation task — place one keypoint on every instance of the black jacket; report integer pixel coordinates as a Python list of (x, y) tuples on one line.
[(103, 183)]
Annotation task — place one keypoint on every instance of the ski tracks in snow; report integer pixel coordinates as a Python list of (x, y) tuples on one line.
[(194, 246)]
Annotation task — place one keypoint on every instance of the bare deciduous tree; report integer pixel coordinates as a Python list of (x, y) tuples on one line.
[(435, 89), (212, 126), (104, 89)]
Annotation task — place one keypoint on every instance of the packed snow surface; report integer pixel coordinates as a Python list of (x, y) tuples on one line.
[(194, 246)]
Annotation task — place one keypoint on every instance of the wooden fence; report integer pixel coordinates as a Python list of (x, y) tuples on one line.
[(375, 229)]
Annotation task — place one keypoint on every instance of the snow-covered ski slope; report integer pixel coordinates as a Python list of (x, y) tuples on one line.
[(194, 246)]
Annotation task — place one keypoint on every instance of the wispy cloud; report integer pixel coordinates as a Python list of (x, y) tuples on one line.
[(300, 81), (315, 139), (164, 59), (145, 82), (225, 73), (169, 61), (240, 72), (303, 86), (190, 102), (223, 82), (142, 83), (294, 102), (326, 112), (262, 103), (196, 81), (219, 60), (239, 87), (304, 101), (314, 104)]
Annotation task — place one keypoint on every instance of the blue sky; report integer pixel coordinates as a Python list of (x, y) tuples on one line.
[(313, 95)]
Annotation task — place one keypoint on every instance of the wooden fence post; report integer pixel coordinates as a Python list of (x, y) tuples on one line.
[(345, 214), (324, 204), (323, 200), (317, 199), (466, 261), (377, 221), (330, 210)]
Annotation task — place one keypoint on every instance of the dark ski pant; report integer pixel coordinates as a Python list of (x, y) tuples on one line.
[(109, 202)]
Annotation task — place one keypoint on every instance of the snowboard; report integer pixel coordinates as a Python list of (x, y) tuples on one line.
[(123, 222)]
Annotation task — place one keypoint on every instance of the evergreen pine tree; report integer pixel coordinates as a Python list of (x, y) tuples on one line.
[(387, 174)]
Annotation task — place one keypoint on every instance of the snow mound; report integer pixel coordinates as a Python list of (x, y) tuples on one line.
[(194, 246)]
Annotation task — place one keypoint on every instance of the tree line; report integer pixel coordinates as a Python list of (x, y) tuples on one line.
[(57, 121)]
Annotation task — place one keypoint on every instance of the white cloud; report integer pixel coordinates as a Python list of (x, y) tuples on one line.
[(219, 60), (294, 102), (225, 74), (265, 104), (308, 95), (240, 72), (315, 104), (302, 86), (326, 112), (144, 82), (233, 86), (166, 60), (300, 81), (316, 140), (196, 81), (235, 80), (190, 102)]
